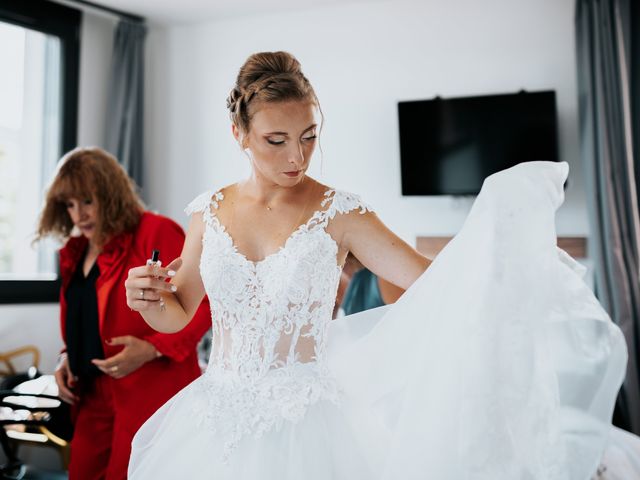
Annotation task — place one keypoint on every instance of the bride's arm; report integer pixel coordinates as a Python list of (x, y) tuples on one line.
[(381, 250), (181, 297)]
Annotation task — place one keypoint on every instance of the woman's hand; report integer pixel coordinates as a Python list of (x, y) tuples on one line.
[(146, 284), (136, 352), (66, 380)]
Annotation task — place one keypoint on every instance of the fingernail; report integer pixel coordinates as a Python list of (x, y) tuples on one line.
[(171, 273), (173, 288), (108, 341)]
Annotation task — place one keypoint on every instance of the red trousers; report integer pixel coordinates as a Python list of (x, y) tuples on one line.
[(101, 442)]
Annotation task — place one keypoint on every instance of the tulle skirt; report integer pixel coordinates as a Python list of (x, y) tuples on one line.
[(498, 363)]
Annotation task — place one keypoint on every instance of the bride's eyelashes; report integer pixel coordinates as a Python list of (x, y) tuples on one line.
[(282, 142)]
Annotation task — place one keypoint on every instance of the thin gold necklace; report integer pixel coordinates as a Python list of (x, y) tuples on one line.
[(271, 209), (296, 226)]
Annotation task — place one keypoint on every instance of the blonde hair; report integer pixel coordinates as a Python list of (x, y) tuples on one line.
[(267, 77), (91, 173)]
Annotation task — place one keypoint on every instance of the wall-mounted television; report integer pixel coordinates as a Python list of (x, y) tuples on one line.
[(449, 146)]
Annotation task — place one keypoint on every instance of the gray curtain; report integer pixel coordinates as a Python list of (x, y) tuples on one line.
[(125, 125), (608, 135)]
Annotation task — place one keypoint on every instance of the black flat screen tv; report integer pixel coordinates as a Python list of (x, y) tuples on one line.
[(449, 146)]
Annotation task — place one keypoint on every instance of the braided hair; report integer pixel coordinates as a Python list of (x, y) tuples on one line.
[(267, 77)]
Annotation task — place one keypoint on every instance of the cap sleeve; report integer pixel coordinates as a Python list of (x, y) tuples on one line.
[(198, 204), (344, 202), (203, 202)]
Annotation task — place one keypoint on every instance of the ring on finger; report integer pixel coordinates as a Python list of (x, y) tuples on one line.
[(142, 294), (114, 369)]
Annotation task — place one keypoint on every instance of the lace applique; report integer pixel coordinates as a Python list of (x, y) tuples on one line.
[(235, 408), (203, 201), (343, 202), (270, 320)]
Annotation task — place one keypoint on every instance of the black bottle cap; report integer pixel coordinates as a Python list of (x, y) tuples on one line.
[(155, 255)]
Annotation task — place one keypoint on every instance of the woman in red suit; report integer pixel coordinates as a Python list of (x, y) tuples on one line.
[(115, 370)]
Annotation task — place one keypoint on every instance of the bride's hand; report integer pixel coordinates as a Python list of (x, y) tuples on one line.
[(147, 284)]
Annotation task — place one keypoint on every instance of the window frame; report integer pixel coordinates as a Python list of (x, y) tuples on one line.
[(65, 23)]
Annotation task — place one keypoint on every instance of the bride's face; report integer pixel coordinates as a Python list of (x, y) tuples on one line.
[(281, 141)]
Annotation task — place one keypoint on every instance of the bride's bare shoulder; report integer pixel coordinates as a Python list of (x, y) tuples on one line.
[(346, 211), (227, 188), (316, 185)]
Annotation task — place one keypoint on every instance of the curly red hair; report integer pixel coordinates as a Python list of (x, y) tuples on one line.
[(96, 174)]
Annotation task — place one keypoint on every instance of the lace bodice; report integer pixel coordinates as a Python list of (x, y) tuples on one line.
[(270, 319)]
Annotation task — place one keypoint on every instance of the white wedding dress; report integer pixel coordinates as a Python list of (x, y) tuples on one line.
[(497, 364)]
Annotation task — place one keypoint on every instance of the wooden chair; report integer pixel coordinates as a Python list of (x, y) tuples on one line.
[(34, 433), (7, 359)]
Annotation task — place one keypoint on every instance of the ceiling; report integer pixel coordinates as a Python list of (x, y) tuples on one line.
[(190, 11)]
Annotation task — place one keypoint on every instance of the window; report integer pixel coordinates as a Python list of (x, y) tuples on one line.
[(39, 51)]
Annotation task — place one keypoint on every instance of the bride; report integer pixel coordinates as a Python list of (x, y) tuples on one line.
[(497, 363)]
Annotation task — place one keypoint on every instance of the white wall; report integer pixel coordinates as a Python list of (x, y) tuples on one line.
[(362, 59), (40, 324)]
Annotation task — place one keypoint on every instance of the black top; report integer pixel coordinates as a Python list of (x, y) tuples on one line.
[(82, 324)]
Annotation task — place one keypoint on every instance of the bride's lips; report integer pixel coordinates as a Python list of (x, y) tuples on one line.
[(293, 174)]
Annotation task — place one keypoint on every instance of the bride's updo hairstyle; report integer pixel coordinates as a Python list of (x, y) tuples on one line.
[(267, 77)]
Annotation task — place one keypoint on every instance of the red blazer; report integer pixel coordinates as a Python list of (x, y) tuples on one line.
[(138, 395)]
